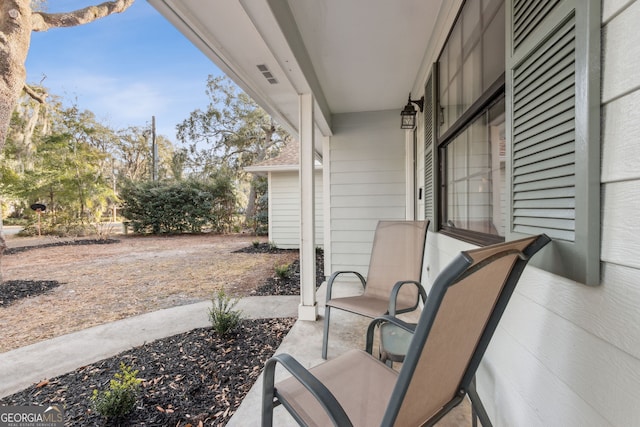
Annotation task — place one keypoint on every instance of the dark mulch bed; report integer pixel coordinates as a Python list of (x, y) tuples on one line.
[(263, 248), (13, 290), (290, 285), (195, 378), (11, 251), (188, 378)]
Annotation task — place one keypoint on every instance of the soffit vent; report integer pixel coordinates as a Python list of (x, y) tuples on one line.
[(267, 74)]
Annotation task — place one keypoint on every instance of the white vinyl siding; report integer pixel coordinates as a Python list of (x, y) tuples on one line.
[(367, 183), (284, 209), (621, 172), (565, 354), (621, 136)]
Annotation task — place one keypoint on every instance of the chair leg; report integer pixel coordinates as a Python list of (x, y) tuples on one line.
[(383, 357), (476, 405), (268, 384), (325, 335)]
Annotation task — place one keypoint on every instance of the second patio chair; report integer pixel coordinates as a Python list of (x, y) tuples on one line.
[(396, 261), (455, 327)]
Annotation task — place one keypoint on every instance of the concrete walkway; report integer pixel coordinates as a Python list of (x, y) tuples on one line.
[(28, 365)]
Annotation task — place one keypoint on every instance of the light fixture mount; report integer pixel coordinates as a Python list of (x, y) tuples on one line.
[(408, 114)]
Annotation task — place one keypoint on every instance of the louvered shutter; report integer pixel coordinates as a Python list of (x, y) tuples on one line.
[(552, 91), (430, 166)]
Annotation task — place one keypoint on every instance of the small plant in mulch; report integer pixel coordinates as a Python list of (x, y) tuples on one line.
[(288, 283), (119, 399), (283, 270), (224, 319)]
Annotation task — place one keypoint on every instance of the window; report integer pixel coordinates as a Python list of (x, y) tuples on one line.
[(475, 177), (471, 125), (512, 130)]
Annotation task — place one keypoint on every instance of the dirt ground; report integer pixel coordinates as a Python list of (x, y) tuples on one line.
[(107, 282)]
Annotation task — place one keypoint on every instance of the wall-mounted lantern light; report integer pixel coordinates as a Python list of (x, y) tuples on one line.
[(408, 115)]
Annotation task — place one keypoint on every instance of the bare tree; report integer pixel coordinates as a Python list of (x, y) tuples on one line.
[(18, 19), (235, 131)]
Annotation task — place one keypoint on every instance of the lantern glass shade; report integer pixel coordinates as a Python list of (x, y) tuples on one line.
[(408, 116)]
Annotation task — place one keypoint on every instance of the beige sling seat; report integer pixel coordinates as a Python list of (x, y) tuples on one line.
[(461, 314), (396, 261)]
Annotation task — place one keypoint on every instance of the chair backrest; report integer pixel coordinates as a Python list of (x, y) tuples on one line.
[(397, 254), (462, 312)]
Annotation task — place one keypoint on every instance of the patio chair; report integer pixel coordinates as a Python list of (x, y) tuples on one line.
[(462, 312), (396, 261)]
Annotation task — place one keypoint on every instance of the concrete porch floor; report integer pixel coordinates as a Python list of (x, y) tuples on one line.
[(304, 342)]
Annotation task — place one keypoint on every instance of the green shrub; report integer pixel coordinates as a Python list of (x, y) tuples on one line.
[(224, 319), (282, 270), (181, 206), (256, 243), (120, 399)]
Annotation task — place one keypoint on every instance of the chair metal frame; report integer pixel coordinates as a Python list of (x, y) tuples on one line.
[(395, 290), (461, 267)]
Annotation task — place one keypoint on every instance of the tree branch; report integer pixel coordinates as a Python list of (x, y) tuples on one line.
[(41, 21), (40, 97)]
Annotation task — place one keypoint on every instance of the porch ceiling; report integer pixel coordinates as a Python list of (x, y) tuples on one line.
[(354, 55)]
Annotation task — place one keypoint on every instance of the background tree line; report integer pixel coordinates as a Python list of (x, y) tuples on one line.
[(81, 169)]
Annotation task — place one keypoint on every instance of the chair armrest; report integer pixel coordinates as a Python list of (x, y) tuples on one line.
[(409, 327), (396, 289), (311, 383), (336, 274)]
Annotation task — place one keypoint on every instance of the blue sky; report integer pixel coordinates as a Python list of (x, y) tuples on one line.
[(125, 68)]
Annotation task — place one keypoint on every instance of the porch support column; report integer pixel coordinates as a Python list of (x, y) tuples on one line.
[(410, 174), (308, 308)]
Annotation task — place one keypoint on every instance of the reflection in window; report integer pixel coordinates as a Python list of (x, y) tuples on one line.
[(475, 175), (472, 59), (471, 126)]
